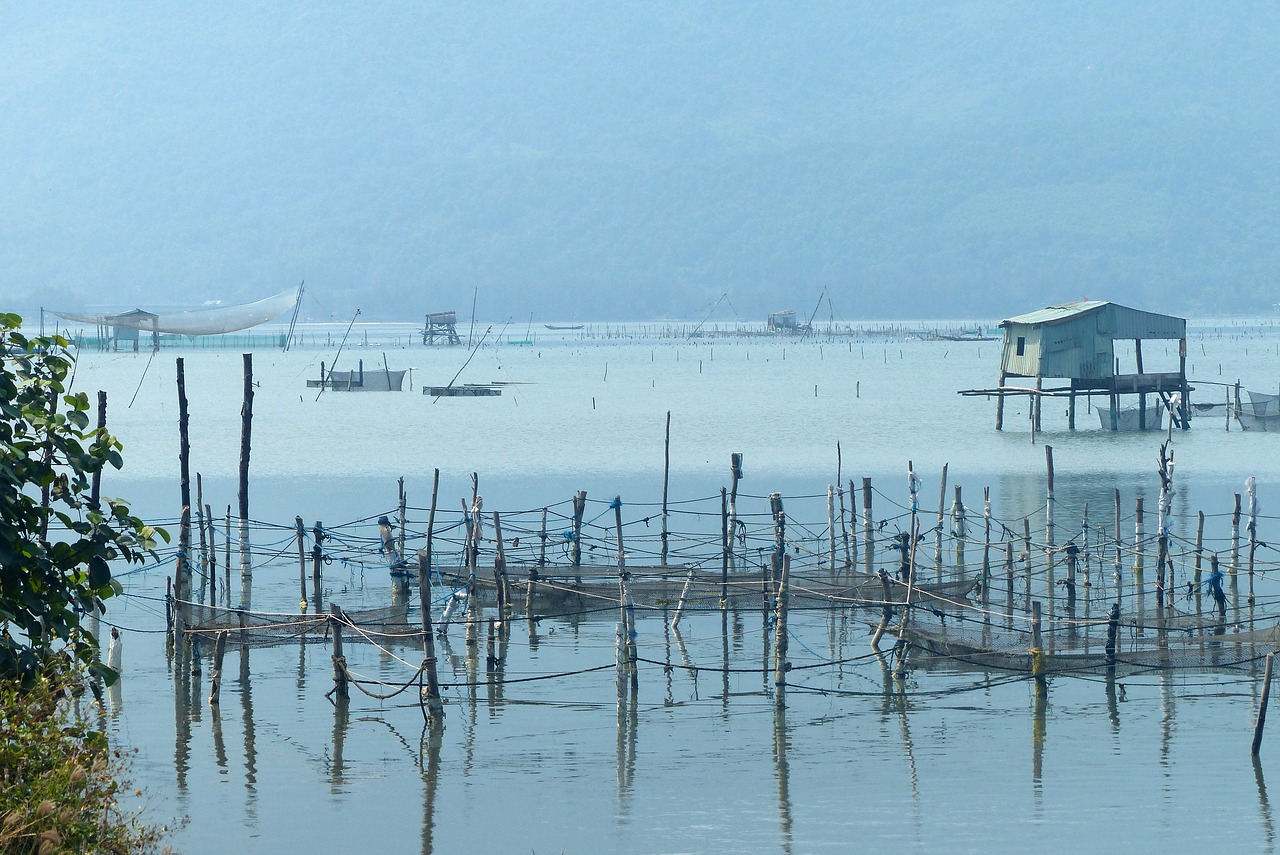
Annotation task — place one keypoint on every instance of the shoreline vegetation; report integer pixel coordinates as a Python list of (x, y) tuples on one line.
[(61, 782)]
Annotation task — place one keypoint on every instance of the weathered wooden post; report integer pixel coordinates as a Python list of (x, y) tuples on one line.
[(868, 527), (204, 542), (1251, 486), (1049, 542), (1235, 539), (1139, 543), (986, 554), (246, 435), (213, 556), (831, 530), (937, 539), (624, 600), (339, 660), (579, 506), (215, 680), (1262, 706), (779, 538), (435, 706), (726, 549), (1037, 645), (317, 558), (666, 479), (1008, 574), (844, 530), (500, 573), (535, 570), (886, 609), (95, 480), (302, 565), (404, 499), (182, 572), (959, 528), (1195, 579), (735, 475), (780, 664)]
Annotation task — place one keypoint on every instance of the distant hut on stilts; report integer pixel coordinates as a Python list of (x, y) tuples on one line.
[(1076, 342)]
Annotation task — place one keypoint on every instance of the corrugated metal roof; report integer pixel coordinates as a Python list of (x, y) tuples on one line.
[(1058, 314), (1113, 320)]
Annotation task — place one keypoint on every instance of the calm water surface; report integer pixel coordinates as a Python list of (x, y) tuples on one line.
[(954, 759)]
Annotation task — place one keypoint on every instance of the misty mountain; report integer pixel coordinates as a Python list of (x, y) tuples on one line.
[(636, 160)]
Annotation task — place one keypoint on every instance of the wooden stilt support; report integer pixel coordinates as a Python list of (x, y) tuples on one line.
[(336, 620), (1262, 706)]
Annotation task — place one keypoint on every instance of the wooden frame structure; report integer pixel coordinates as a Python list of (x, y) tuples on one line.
[(1075, 342)]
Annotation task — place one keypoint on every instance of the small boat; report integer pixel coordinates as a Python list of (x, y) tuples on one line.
[(563, 326)]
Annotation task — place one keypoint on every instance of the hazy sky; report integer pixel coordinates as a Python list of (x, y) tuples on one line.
[(638, 159)]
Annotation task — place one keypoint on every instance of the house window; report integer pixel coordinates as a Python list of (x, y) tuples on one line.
[(1022, 345)]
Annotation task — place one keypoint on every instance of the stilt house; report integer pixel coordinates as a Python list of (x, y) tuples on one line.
[(1076, 342)]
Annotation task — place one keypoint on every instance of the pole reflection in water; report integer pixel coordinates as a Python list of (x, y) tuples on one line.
[(1038, 729), (337, 765), (724, 658), (628, 714), (182, 716), (781, 742), (1113, 708), (1168, 717), (432, 739), (250, 747), (688, 663), (1264, 805)]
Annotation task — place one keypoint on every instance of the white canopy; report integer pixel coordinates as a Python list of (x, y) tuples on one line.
[(220, 319)]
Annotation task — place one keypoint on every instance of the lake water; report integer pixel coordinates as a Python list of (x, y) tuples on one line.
[(545, 759)]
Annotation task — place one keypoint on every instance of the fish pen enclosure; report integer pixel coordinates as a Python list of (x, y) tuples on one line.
[(877, 577)]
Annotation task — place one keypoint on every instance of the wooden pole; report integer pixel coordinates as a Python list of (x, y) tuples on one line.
[(317, 558), (339, 660), (627, 607), (182, 572), (1235, 538), (831, 530), (666, 480), (1195, 579), (204, 541), (500, 572), (226, 565), (535, 570), (986, 553), (1139, 535), (868, 530), (579, 506), (780, 664), (403, 506), (1049, 542), (1262, 706), (844, 530), (246, 435), (215, 680), (1037, 644), (435, 706), (937, 540), (1008, 575), (735, 475), (213, 556), (726, 549), (95, 488), (302, 565)]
